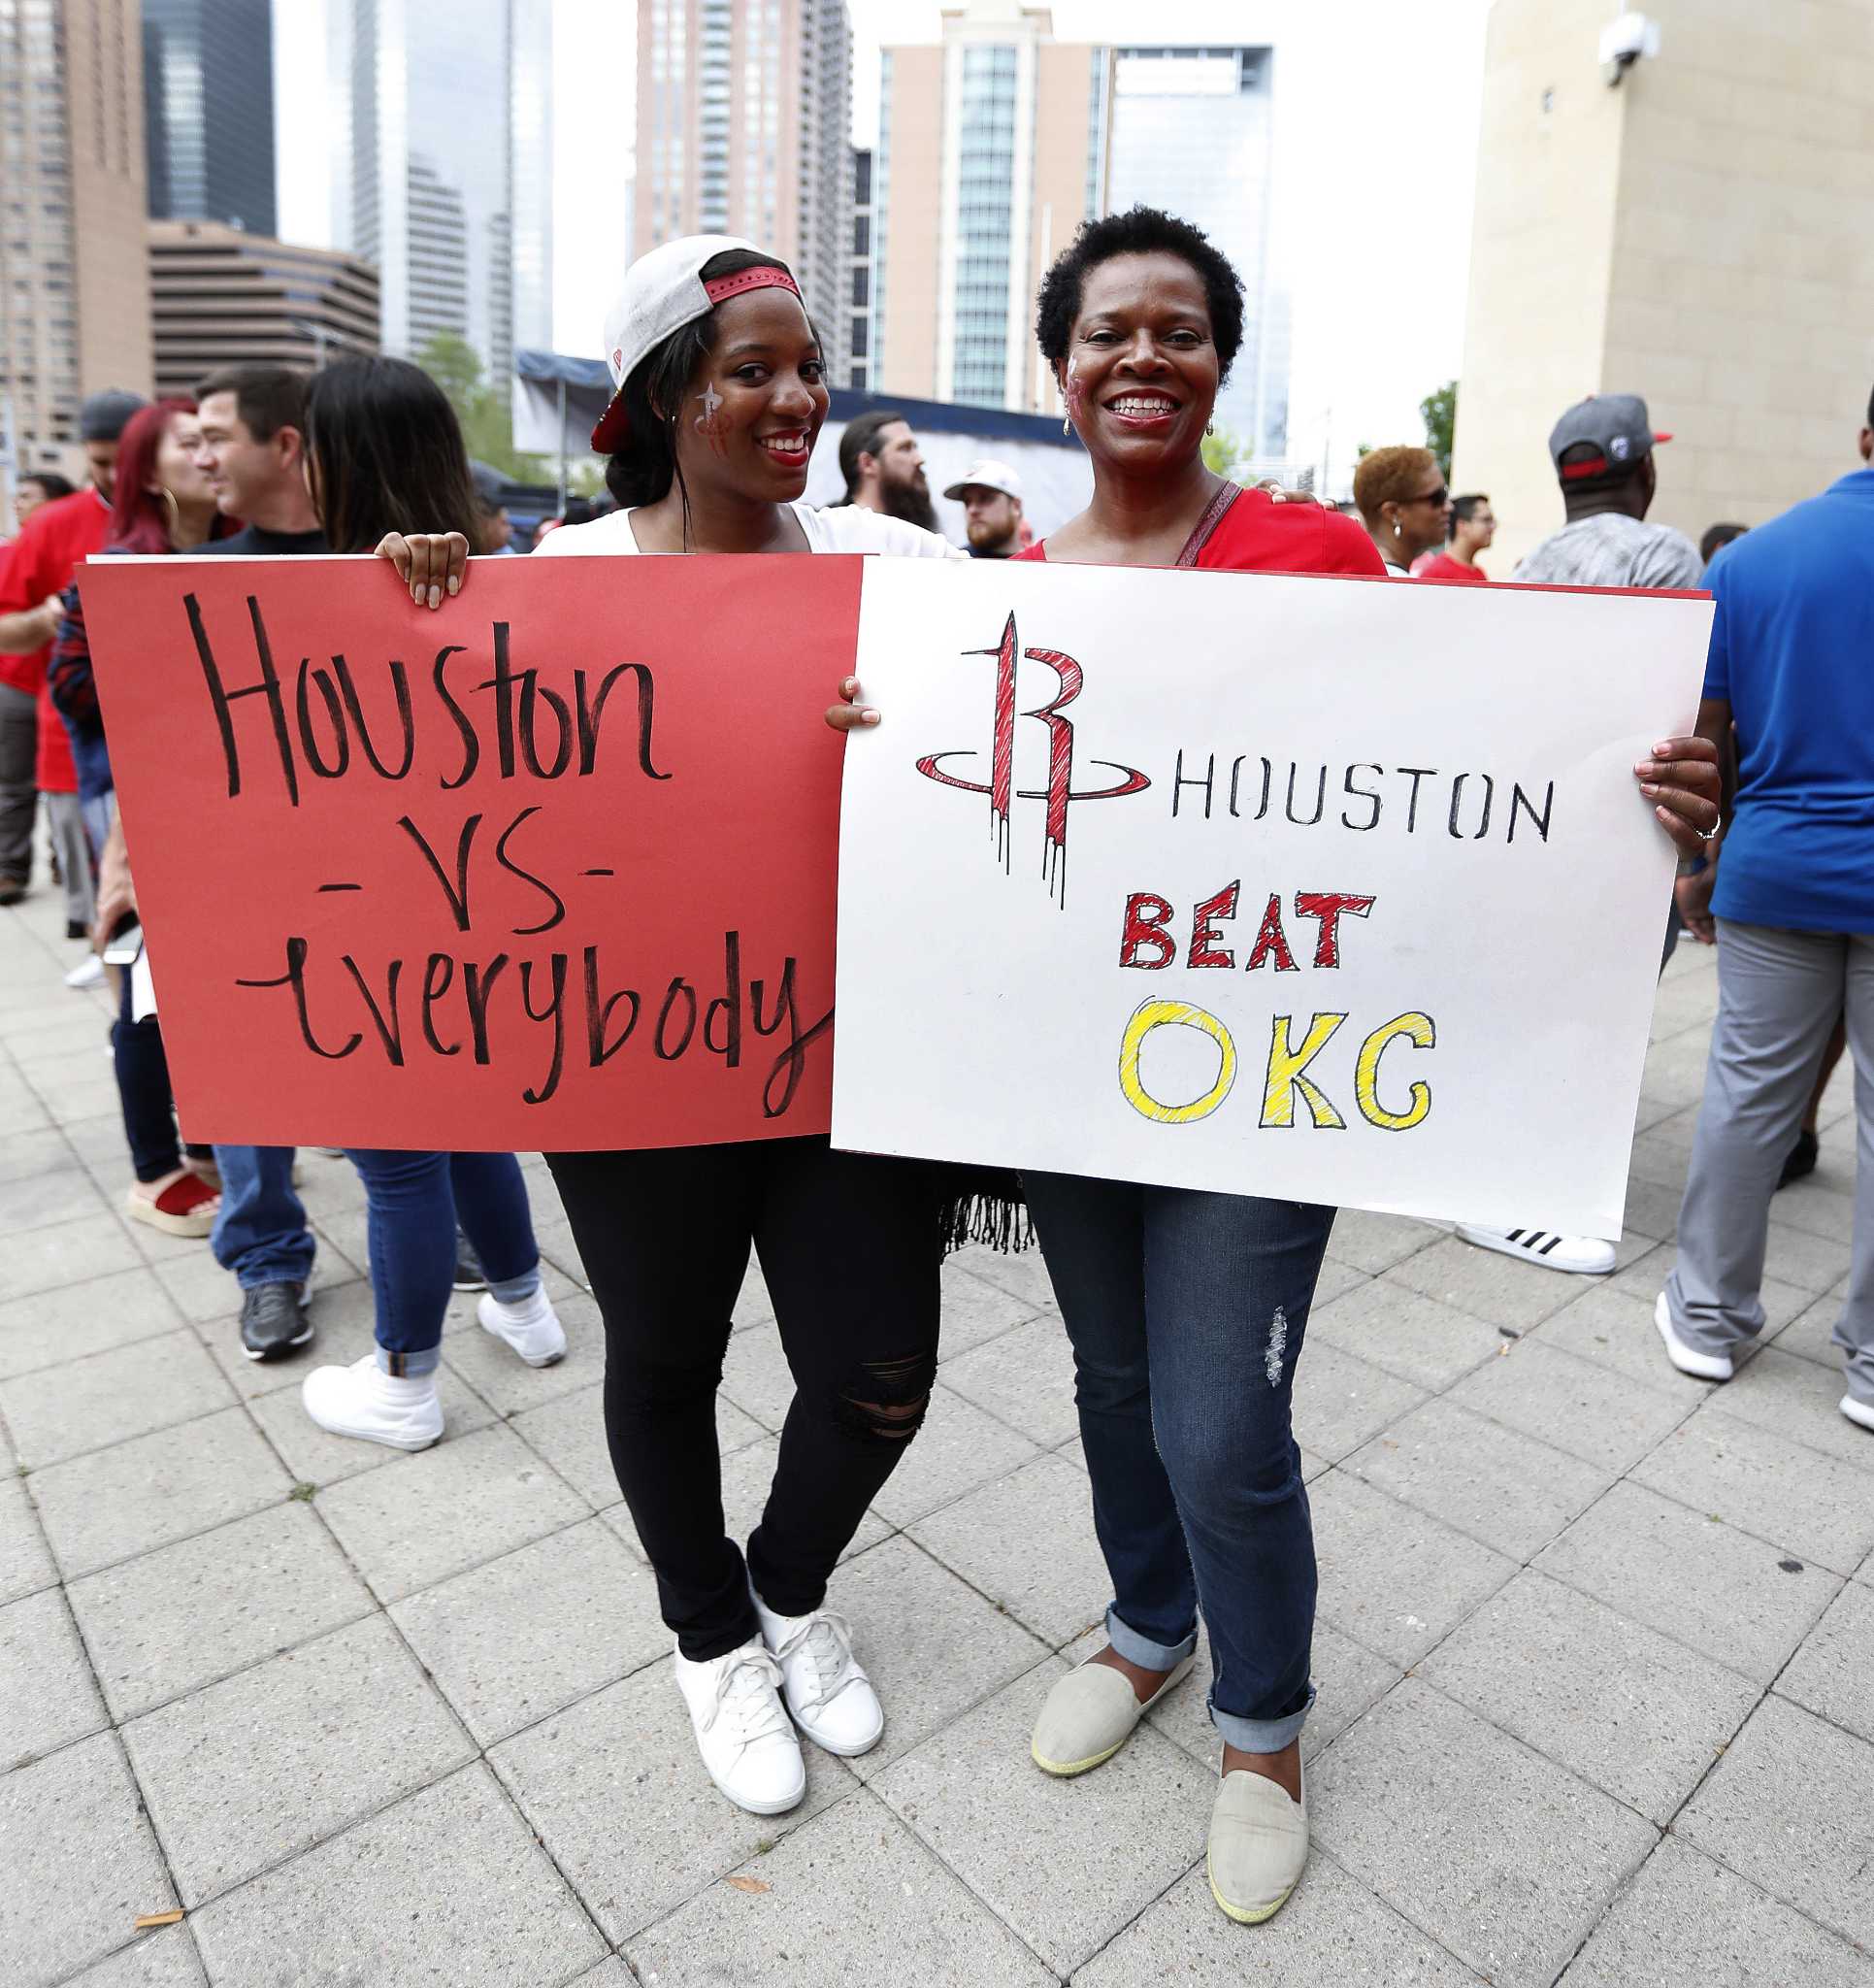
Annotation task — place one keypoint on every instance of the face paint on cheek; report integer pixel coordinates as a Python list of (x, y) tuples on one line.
[(709, 422), (1075, 394)]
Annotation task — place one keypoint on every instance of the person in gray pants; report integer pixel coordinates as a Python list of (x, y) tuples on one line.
[(1793, 905)]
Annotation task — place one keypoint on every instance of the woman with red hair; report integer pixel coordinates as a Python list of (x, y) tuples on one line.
[(161, 503)]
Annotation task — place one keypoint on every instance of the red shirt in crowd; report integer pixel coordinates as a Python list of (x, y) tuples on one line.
[(1442, 566), (53, 543), (1246, 531)]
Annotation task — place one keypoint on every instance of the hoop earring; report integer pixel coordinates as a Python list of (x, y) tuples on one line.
[(1209, 428), (172, 508)]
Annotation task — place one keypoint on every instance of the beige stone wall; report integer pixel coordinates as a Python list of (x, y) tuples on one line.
[(908, 322), (1702, 235), (1742, 294), (1548, 177)]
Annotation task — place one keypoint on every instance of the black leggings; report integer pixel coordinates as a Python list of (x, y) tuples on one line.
[(850, 1247)]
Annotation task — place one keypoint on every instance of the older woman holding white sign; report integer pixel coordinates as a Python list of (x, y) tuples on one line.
[(1187, 1310)]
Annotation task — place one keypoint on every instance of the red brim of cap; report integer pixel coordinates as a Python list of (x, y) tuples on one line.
[(1658, 437), (610, 433)]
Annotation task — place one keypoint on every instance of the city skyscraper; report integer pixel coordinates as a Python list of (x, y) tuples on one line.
[(744, 112), (859, 265), (209, 111), (74, 274), (442, 164), (992, 150), (221, 296), (1192, 132)]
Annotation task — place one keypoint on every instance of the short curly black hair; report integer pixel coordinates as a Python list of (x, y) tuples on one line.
[(1139, 231)]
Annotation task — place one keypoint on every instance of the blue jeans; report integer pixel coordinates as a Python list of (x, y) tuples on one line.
[(261, 1233), (1187, 1312), (414, 1202)]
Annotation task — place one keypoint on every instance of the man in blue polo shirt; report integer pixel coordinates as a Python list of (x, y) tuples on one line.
[(1792, 665)]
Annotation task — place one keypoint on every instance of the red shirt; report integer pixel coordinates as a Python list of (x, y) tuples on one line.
[(53, 543), (1257, 535), (1442, 566)]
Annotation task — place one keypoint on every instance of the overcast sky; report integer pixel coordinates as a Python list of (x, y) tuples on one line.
[(1377, 136)]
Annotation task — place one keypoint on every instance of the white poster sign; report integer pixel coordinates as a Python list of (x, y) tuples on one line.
[(1330, 889)]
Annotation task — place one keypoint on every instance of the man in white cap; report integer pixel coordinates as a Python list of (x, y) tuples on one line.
[(991, 496)]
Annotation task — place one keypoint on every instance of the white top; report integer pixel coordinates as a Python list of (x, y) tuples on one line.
[(843, 528)]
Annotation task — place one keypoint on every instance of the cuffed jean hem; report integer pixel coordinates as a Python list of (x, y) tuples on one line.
[(1259, 1736), (409, 1366), (515, 1290), (1141, 1650)]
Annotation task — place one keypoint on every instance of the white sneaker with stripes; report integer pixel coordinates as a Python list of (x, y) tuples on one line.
[(1584, 1255)]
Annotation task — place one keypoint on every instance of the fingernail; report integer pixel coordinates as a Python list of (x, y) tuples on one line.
[(1649, 787), (436, 597), (1664, 750), (455, 584), (868, 717)]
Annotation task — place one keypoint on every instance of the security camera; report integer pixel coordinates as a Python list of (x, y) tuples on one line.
[(1624, 41)]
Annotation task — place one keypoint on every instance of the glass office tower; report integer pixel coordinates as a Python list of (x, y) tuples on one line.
[(1192, 132)]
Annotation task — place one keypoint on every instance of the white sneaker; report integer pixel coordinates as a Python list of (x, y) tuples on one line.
[(743, 1730), (531, 1327), (88, 971), (1586, 1256), (828, 1693), (1860, 1414), (362, 1400), (1688, 1359)]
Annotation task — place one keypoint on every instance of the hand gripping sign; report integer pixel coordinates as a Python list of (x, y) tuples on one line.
[(551, 867), (1326, 889)]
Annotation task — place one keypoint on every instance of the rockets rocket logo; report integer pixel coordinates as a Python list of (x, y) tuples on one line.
[(1060, 790)]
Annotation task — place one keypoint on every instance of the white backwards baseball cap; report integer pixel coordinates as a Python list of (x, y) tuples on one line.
[(664, 291), (988, 475)]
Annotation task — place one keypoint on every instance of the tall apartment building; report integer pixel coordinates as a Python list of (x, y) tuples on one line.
[(1192, 132), (221, 296), (994, 146), (209, 111), (859, 275), (442, 167), (992, 150), (744, 109), (74, 279), (1697, 232)]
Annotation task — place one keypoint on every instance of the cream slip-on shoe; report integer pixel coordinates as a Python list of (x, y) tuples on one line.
[(1088, 1717), (1259, 1847)]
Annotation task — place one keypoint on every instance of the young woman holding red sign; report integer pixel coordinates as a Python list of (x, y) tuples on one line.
[(1187, 1310), (720, 394)]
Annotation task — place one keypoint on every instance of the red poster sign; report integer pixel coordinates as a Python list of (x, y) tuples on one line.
[(552, 867)]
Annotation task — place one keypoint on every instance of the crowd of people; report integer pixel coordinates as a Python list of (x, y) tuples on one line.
[(1166, 1294)]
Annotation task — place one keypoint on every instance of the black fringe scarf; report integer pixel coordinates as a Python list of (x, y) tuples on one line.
[(982, 1205)]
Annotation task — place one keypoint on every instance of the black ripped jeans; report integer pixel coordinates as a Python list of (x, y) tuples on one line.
[(848, 1244)]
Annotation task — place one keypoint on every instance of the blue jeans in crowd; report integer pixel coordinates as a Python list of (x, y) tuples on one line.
[(414, 1202), (260, 1233), (1187, 1312)]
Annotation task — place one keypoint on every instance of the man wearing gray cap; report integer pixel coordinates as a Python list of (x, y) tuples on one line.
[(1602, 451), (991, 496), (35, 571)]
